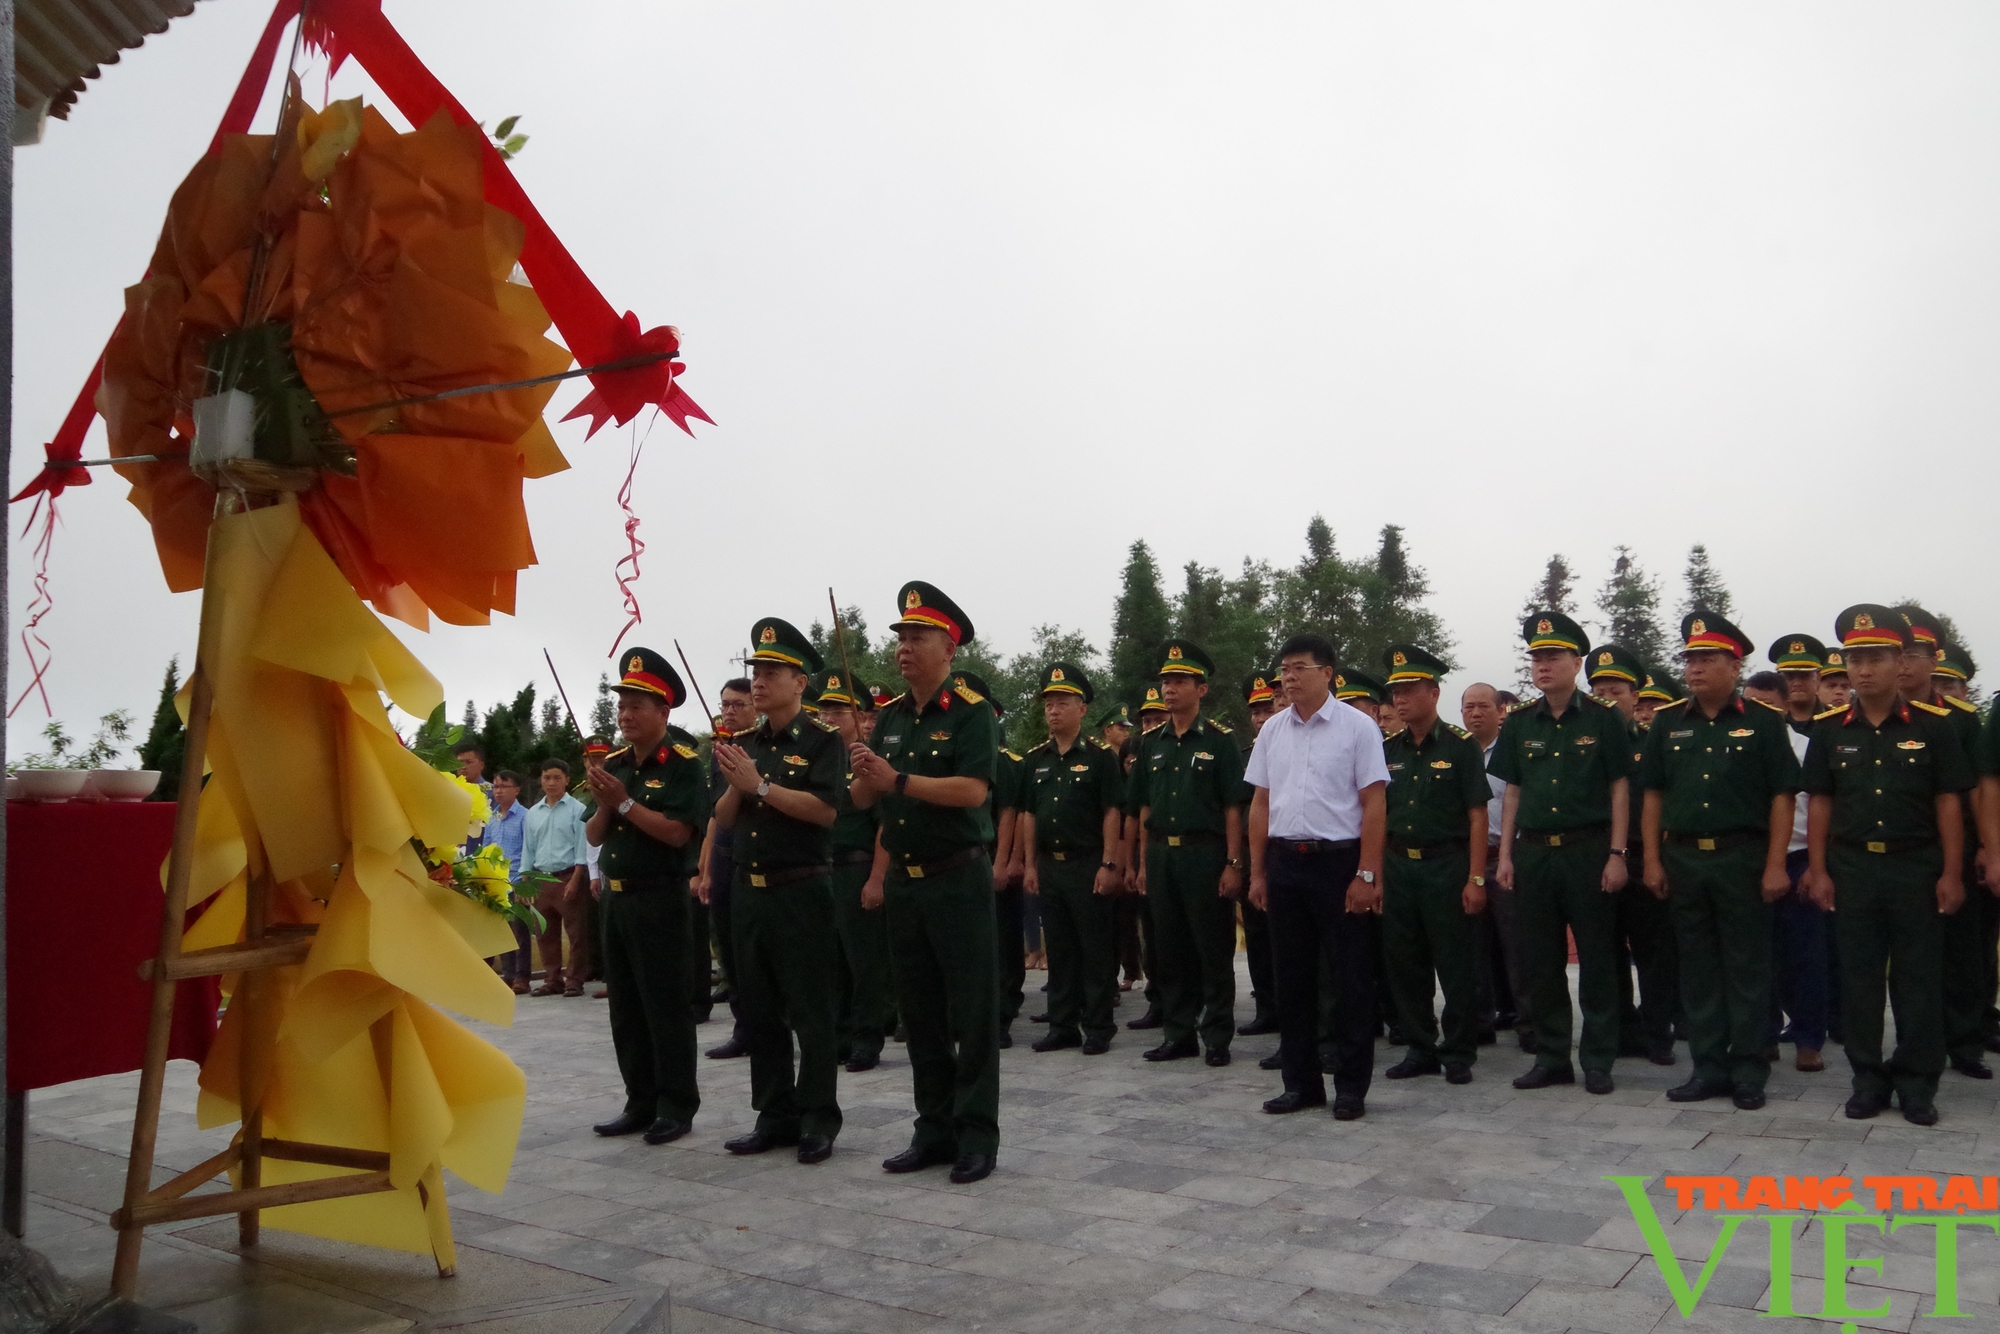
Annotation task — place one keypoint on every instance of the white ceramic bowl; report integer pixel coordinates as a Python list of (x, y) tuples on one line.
[(50, 784), (121, 784), (13, 788)]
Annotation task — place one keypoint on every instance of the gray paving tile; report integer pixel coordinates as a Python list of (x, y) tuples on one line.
[(1460, 1289), (1537, 1225)]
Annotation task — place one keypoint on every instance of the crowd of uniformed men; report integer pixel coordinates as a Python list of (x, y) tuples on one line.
[(1773, 858)]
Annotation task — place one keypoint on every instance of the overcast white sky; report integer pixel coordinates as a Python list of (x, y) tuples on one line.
[(956, 280)]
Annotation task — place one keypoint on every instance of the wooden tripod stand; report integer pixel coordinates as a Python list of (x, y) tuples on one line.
[(262, 949)]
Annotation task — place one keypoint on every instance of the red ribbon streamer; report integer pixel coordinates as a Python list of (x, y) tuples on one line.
[(638, 548), (41, 606)]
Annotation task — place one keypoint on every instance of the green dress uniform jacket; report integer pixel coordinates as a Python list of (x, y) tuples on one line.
[(1971, 967), (1067, 793), (787, 944), (1434, 786), (1885, 859), (939, 901), (1717, 778), (646, 929), (1185, 784), (865, 1009), (1565, 767)]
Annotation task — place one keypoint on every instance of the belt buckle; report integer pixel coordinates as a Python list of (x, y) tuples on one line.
[(914, 872), (1302, 848), (1705, 844), (1060, 856), (1414, 854), (757, 882), (1878, 847), (617, 886), (1555, 840), (1173, 840)]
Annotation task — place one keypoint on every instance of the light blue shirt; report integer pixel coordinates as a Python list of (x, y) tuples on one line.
[(505, 830), (554, 838)]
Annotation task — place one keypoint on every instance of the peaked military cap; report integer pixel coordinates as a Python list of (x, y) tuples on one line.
[(1871, 625), (1660, 688), (833, 687), (1066, 677), (925, 604), (1702, 629), (1954, 661), (1186, 656), (1411, 662), (1924, 628), (1797, 653), (1552, 629), (879, 696), (1257, 689), (1350, 684), (773, 640), (596, 745), (1836, 663), (1119, 715), (976, 683), (648, 671), (1153, 703), (1614, 662)]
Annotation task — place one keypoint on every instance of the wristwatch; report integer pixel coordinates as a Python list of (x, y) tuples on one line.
[(1480, 881), (902, 781), (1365, 877), (1235, 862), (627, 804), (1108, 866), (1618, 852), (763, 789)]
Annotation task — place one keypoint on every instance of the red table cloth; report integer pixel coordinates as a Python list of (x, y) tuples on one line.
[(83, 911)]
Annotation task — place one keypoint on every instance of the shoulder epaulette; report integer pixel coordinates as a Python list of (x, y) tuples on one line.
[(1389, 736), (1524, 704), (968, 694), (893, 699), (1965, 704), (1457, 731), (1599, 700), (824, 727), (1772, 707), (1671, 704), (1010, 754), (686, 752), (1100, 743), (622, 750), (1223, 728), (1829, 713), (1931, 709), (1041, 745)]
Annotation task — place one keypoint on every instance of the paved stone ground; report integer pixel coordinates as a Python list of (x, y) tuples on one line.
[(1130, 1197)]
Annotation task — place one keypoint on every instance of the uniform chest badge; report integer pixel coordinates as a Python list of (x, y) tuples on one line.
[(1586, 740), (1396, 768), (1744, 731), (1680, 736), (656, 782), (1533, 745), (799, 760), (1440, 764), (1079, 768), (1909, 745), (940, 736), (1203, 755)]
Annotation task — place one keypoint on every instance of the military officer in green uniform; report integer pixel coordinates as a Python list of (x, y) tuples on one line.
[(1072, 794), (1645, 931), (1434, 872), (1261, 701), (865, 1008), (1566, 760), (651, 805), (1835, 689), (1363, 693), (1988, 764), (1009, 908), (1187, 789), (1952, 678), (1884, 836), (1359, 690), (1659, 688), (783, 776), (1720, 779), (1132, 914), (1115, 724), (1152, 710), (926, 771), (1798, 658), (1968, 948)]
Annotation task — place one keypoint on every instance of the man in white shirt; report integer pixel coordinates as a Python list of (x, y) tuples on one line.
[(1318, 814)]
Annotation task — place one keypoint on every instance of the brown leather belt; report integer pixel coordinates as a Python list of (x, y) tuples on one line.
[(791, 875), (924, 870), (1307, 847)]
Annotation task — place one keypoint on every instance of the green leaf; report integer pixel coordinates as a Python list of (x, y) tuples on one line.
[(505, 127), (514, 144)]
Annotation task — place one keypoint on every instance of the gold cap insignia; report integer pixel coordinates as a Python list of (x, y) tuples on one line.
[(1055, 674), (1174, 653), (1833, 659), (1863, 621), (1339, 681), (833, 683), (1260, 684), (913, 600), (1698, 627), (1152, 692), (1400, 660), (770, 635), (1798, 647), (1604, 660), (1545, 627), (1940, 655), (638, 664)]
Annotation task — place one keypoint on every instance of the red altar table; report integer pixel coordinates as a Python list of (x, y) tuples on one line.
[(83, 911)]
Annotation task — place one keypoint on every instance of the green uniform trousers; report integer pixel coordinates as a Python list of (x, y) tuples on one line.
[(866, 999), (1886, 920), (787, 959), (1083, 954), (1969, 962), (1556, 888), (1195, 930), (1427, 933), (1646, 931), (652, 1029), (1722, 931), (945, 964), (699, 987)]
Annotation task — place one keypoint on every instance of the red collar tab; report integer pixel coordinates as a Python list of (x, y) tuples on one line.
[(660, 755), (944, 698)]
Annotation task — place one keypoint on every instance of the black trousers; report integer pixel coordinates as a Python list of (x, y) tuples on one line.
[(722, 922), (1309, 922), (1009, 907)]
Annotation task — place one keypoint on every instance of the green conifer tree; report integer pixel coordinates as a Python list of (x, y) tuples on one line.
[(1630, 604), (166, 741)]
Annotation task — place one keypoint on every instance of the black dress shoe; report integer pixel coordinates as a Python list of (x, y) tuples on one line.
[(758, 1142), (1972, 1067), (1217, 1056), (1457, 1072), (1598, 1082), (1347, 1107), (1410, 1067), (914, 1159), (1173, 1051), (1919, 1112), (815, 1148), (728, 1051), (1294, 1102), (625, 1123), (665, 1131), (866, 1060), (1096, 1046), (1005, 1040), (1271, 1062), (1041, 1018), (1698, 1089), (1258, 1027), (1541, 1077), (1747, 1097), (971, 1167), (1866, 1105), (1661, 1052), (1150, 1019), (1057, 1041)]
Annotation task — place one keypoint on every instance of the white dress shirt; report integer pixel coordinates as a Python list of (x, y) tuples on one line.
[(1315, 768), (1499, 790), (1802, 800)]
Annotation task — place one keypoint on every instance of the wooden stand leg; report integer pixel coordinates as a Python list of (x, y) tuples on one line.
[(250, 989), (437, 1220)]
